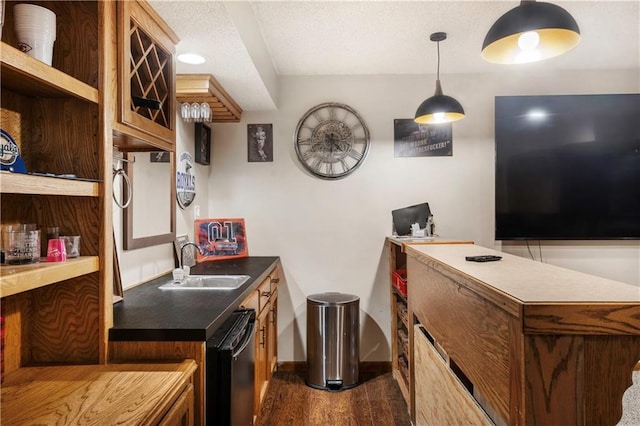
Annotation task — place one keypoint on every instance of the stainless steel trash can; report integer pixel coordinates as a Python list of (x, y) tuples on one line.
[(333, 341)]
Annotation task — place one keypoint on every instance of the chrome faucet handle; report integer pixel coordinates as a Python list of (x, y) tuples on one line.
[(188, 243)]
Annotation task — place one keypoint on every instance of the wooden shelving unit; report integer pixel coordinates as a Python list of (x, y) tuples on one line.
[(400, 353), (57, 315), (402, 318)]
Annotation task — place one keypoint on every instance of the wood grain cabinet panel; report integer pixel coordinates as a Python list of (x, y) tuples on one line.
[(441, 399)]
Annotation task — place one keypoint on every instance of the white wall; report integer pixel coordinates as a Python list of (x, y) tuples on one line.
[(330, 234)]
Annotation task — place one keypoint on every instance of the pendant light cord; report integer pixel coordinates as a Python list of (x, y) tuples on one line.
[(438, 68)]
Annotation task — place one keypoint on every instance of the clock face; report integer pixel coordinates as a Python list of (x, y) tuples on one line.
[(331, 140)]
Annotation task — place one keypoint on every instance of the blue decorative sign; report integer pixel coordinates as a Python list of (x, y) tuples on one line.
[(10, 154)]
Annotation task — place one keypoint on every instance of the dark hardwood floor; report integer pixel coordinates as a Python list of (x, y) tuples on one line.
[(375, 401)]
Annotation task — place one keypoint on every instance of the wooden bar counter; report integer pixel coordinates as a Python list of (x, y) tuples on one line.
[(528, 342)]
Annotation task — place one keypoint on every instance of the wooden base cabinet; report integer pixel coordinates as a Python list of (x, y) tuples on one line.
[(533, 343), (265, 301)]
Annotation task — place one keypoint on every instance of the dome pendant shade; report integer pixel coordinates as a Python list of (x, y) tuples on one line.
[(439, 109), (531, 32)]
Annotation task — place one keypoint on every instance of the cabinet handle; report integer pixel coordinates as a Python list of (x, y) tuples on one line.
[(275, 280), (273, 315), (263, 339), (140, 102), (266, 294)]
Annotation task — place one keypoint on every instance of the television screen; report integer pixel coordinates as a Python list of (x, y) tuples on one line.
[(567, 167)]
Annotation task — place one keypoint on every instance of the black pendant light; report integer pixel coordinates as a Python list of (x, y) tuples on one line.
[(439, 108), (530, 32)]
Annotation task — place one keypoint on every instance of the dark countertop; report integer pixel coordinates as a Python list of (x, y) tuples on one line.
[(150, 314)]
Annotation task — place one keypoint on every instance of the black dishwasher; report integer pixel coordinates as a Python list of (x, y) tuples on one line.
[(230, 371)]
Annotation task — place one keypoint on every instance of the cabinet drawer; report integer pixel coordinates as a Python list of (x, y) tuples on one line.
[(264, 292), (251, 302), (440, 397)]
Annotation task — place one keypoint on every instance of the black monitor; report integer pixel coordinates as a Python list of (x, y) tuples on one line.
[(407, 216)]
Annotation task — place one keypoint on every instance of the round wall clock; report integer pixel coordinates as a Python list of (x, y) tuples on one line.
[(331, 140)]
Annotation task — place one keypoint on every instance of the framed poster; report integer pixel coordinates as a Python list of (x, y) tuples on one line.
[(202, 144), (223, 238), (160, 156), (260, 143), (411, 139)]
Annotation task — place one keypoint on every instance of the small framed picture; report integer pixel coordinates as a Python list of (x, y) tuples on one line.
[(421, 140), (159, 156), (260, 143), (203, 144)]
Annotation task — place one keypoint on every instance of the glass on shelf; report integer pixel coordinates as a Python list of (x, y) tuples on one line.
[(205, 112)]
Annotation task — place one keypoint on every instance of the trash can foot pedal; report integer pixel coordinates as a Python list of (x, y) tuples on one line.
[(334, 385)]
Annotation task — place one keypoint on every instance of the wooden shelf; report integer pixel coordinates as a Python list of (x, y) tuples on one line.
[(23, 74), (204, 88), (16, 279), (94, 394), (13, 183)]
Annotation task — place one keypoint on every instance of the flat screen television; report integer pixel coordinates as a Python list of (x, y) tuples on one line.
[(567, 167)]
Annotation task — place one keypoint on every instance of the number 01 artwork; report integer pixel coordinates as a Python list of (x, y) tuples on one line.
[(224, 238)]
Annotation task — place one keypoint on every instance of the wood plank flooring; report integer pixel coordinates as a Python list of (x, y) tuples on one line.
[(375, 401)]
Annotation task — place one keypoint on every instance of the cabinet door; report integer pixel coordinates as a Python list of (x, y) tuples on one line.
[(261, 357), (440, 397), (146, 84), (272, 336)]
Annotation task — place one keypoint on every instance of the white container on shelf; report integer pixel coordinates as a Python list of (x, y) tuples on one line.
[(35, 30)]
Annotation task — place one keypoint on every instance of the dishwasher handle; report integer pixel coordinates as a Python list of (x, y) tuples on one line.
[(248, 334)]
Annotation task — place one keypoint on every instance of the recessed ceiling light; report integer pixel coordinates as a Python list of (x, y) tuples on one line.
[(191, 58)]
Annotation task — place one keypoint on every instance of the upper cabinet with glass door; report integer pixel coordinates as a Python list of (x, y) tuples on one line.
[(145, 116)]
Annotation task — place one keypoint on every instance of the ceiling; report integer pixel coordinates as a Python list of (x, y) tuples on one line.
[(248, 44)]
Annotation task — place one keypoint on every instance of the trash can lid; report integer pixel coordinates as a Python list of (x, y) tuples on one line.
[(332, 298)]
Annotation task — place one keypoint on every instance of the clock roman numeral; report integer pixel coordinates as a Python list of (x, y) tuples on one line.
[(315, 165), (306, 141), (307, 155), (355, 155)]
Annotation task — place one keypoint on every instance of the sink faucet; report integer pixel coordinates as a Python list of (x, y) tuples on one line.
[(189, 243)]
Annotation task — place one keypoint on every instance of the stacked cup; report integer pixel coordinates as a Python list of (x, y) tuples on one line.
[(36, 30)]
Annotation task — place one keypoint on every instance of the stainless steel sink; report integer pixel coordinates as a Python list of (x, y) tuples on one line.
[(208, 282)]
